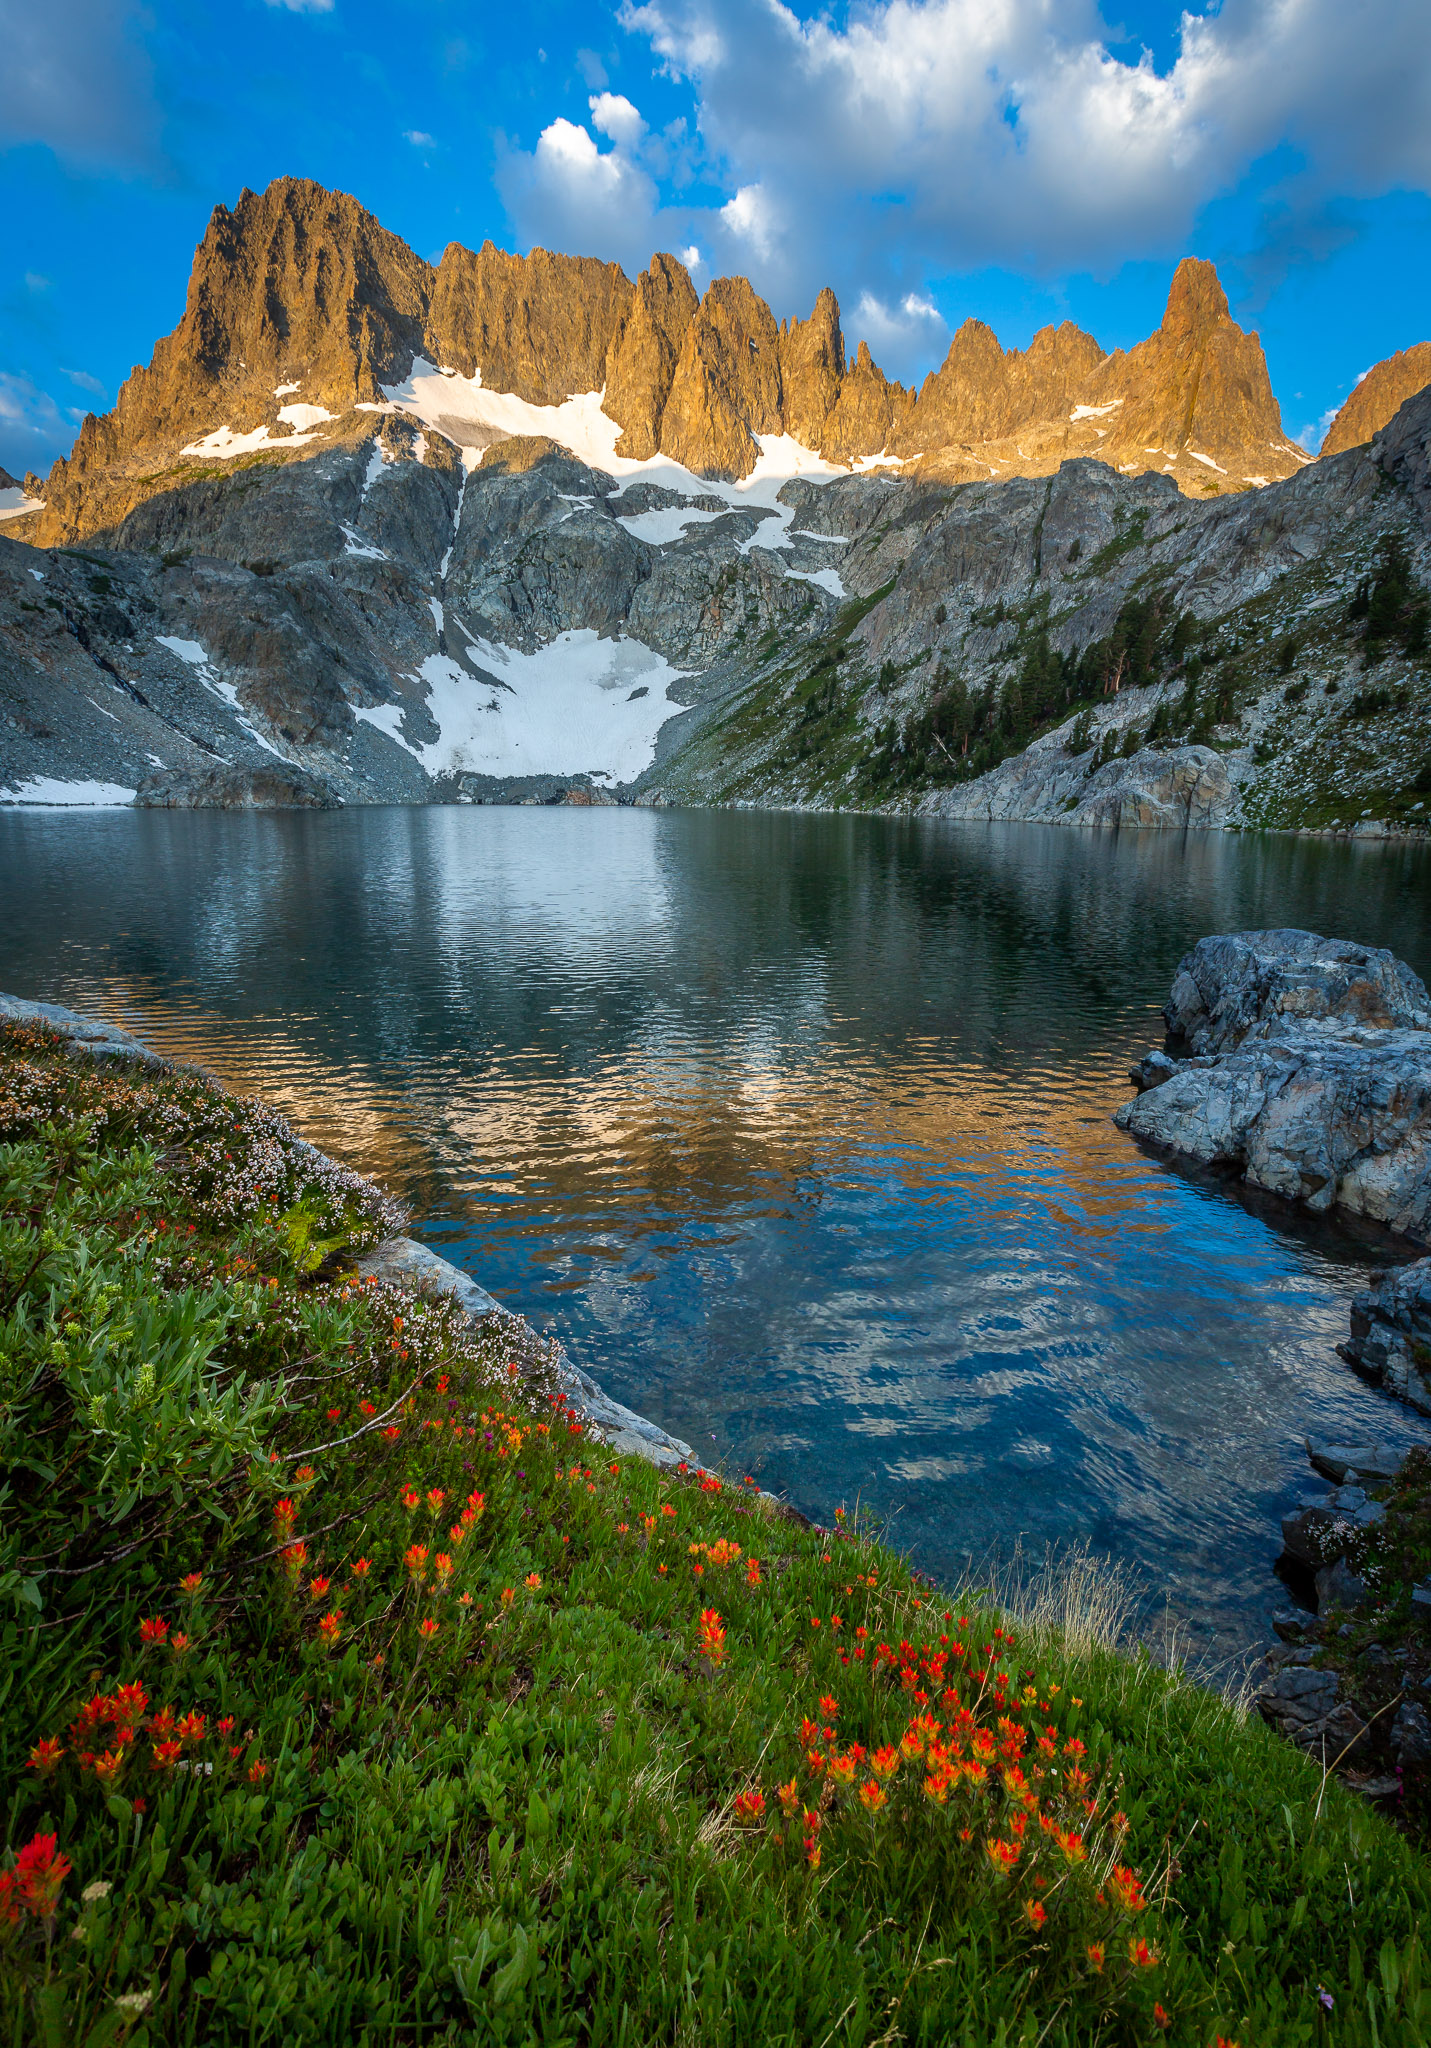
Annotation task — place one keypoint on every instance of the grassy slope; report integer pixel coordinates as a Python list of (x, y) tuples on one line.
[(521, 1825)]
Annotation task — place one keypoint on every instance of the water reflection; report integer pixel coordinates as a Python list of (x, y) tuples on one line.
[(797, 1127)]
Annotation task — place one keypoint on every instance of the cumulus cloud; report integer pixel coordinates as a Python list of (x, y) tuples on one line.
[(960, 133), (900, 335), (419, 138), (77, 79)]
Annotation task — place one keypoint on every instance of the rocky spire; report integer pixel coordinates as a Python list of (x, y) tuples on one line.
[(726, 386), (642, 359)]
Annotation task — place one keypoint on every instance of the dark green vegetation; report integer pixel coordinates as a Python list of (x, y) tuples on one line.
[(350, 1692)]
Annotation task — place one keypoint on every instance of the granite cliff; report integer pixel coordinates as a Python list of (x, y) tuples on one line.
[(511, 528)]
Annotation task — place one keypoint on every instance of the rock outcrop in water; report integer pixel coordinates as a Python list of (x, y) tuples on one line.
[(1390, 1342), (1310, 1074)]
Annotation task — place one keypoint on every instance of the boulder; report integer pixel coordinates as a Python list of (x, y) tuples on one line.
[(1241, 984), (1390, 1342), (1340, 1586), (1351, 1462), (1309, 1075), (1305, 1706)]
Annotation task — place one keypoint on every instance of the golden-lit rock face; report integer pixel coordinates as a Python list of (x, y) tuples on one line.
[(540, 326), (642, 360), (1380, 394), (300, 294)]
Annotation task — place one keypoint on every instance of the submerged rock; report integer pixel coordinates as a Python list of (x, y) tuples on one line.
[(1309, 1073)]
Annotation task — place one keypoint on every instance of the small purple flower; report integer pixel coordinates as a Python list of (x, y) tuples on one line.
[(1325, 1998)]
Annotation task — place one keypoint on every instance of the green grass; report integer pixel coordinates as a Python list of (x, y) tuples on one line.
[(522, 1825)]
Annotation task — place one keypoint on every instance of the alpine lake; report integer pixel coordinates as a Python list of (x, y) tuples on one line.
[(796, 1130)]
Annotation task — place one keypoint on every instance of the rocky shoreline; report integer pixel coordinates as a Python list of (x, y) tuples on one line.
[(400, 1260), (1272, 1035), (1303, 1065)]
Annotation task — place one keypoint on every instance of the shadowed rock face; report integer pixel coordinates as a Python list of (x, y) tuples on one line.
[(1378, 397)]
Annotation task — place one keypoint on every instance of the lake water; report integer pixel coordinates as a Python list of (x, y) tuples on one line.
[(796, 1129)]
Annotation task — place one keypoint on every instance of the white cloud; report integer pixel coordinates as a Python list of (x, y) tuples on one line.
[(902, 336), (750, 218), (85, 382), (692, 257), (418, 138), (612, 114), (972, 131), (304, 6)]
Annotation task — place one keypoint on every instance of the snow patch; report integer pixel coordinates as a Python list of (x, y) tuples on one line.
[(302, 417), (282, 390), (14, 504), (436, 615), (386, 717), (376, 462), (1095, 412), (443, 400), (38, 574), (51, 794), (1208, 460), (666, 524), (192, 652), (580, 705), (446, 562), (828, 579), (225, 444), (1260, 481), (354, 544)]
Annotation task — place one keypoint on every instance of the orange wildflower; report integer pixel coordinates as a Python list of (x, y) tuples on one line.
[(873, 1795), (533, 1582), (1095, 1954), (166, 1755), (330, 1627), (712, 1636), (1034, 1913), (46, 1754), (427, 1627), (1141, 1955), (154, 1630), (885, 1762), (749, 1807)]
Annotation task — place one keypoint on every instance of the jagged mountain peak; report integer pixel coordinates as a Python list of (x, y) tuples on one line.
[(1196, 299), (302, 308)]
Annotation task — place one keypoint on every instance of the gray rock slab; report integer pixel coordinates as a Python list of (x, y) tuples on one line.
[(1309, 1075), (90, 1035), (1367, 1461), (406, 1263)]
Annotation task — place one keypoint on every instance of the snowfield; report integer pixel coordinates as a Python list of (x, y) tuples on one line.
[(52, 795), (580, 706)]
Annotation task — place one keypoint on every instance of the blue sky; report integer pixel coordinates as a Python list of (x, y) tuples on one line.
[(1021, 160)]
